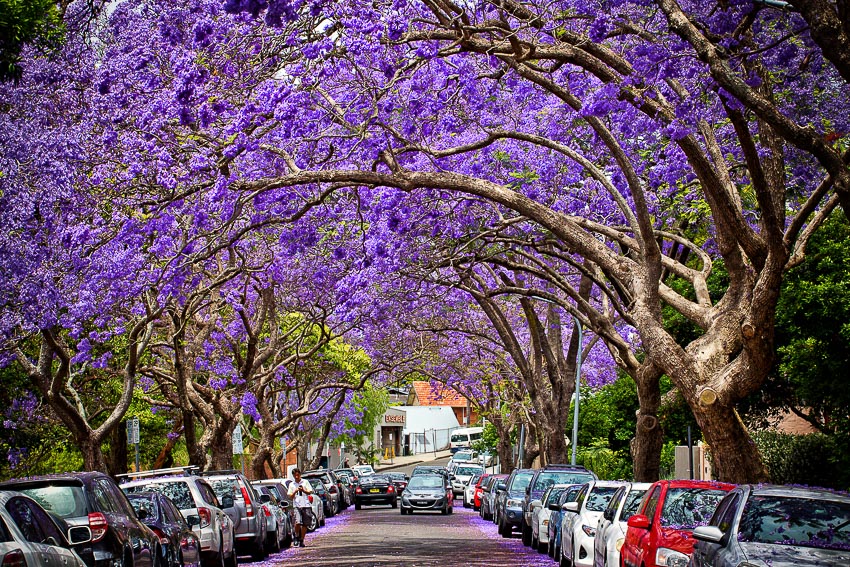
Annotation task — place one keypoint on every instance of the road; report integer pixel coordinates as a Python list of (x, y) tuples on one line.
[(379, 536)]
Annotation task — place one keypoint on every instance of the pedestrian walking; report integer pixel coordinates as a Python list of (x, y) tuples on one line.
[(300, 491)]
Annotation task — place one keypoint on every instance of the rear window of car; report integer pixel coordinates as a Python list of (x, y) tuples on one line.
[(467, 471), (178, 491), (146, 504), (226, 487), (423, 481), (66, 501)]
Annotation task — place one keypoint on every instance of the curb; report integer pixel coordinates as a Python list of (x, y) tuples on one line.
[(397, 466)]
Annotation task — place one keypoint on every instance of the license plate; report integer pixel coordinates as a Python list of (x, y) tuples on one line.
[(422, 503), (374, 490)]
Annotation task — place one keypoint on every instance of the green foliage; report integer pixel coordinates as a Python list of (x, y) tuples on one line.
[(814, 460), (489, 440), (23, 22), (370, 403), (608, 465), (668, 459)]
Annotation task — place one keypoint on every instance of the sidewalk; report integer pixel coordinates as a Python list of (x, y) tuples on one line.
[(399, 462)]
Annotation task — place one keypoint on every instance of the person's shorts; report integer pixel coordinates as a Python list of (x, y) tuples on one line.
[(303, 516)]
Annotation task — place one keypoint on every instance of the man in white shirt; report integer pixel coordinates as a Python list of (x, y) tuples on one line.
[(301, 493)]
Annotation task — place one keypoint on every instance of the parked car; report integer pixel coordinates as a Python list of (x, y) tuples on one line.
[(399, 480), (463, 456), (469, 488), (282, 487), (556, 517), (195, 498), (578, 524), (541, 514), (509, 502), (375, 489), (462, 475), (474, 490), (249, 523), (93, 499), (363, 470), (325, 498), (30, 536), (181, 547), (488, 495), (780, 526), (542, 479), (352, 474), (426, 492), (660, 533), (486, 459), (611, 530), (279, 525), (333, 486)]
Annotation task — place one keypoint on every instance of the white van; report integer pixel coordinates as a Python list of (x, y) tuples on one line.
[(464, 437)]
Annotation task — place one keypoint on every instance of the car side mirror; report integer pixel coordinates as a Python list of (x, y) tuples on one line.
[(571, 507), (608, 515), (142, 514), (501, 486), (79, 535), (407, 478), (536, 503), (638, 521), (710, 534), (193, 520), (283, 504), (227, 501), (265, 498), (528, 490), (554, 506)]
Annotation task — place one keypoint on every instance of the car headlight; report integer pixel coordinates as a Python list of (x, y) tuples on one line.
[(670, 558), (545, 522), (513, 503), (588, 531), (620, 543)]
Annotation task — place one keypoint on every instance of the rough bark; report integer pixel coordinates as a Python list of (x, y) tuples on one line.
[(649, 438)]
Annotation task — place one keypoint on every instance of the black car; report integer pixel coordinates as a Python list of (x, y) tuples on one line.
[(509, 500), (93, 499), (426, 492), (336, 491), (543, 478), (375, 489), (180, 546)]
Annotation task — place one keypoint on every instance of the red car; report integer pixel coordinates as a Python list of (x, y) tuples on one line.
[(659, 535), (479, 490)]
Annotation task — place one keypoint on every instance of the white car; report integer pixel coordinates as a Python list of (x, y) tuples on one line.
[(540, 516), (469, 491), (578, 527), (29, 536), (363, 470), (611, 530), (461, 476)]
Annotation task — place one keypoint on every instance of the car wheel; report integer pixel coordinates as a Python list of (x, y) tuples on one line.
[(394, 504), (445, 510), (232, 561), (533, 540), (273, 544), (526, 534), (259, 552), (504, 531), (358, 506), (542, 547)]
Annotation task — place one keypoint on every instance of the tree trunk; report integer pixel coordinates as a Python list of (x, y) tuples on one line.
[(532, 449), (649, 439), (93, 459), (165, 459), (263, 454), (221, 449), (727, 435), (117, 462), (320, 446)]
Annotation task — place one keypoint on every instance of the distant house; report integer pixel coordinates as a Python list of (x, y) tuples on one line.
[(433, 394)]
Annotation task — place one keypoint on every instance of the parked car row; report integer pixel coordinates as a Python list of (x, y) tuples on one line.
[(669, 523)]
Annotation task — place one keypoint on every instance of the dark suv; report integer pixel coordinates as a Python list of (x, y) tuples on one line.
[(249, 521), (550, 475), (92, 499), (509, 508)]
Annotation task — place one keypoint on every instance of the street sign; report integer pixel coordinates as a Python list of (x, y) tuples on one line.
[(237, 440), (133, 431)]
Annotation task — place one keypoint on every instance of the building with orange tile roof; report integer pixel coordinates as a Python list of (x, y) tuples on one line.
[(425, 393)]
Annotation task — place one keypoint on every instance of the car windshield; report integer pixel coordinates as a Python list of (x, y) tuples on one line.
[(177, 491), (463, 456), (599, 497), (796, 521), (687, 508), (67, 501), (396, 476), (317, 485), (633, 500), (550, 478), (460, 438), (521, 480), (467, 471), (142, 503), (426, 481)]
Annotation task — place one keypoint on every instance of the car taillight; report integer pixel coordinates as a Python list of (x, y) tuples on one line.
[(188, 543), (14, 559), (358, 490), (310, 498), (206, 517), (333, 490), (249, 508), (163, 539), (390, 488), (266, 511), (98, 526)]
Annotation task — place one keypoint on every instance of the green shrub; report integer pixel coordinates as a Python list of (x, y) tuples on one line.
[(813, 460)]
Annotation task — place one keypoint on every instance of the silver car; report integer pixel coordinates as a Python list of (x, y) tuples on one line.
[(30, 536), (780, 526), (193, 496), (244, 509)]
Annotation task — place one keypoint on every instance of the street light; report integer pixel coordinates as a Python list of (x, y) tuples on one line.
[(574, 440)]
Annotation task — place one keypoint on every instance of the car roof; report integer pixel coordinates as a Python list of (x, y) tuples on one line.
[(799, 492)]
